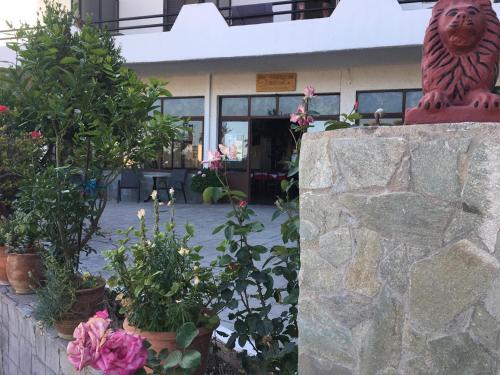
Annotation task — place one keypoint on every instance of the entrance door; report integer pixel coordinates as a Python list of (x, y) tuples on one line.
[(235, 133), (271, 148)]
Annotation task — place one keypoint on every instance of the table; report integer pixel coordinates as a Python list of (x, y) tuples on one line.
[(156, 175)]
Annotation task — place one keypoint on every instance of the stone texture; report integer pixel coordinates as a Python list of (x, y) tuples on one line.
[(458, 275), (485, 329), (370, 163), (321, 336), (401, 251), (361, 275), (407, 216), (440, 180), (382, 350), (460, 355), (313, 159), (336, 246)]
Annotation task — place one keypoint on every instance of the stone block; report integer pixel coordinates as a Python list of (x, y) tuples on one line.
[(370, 163), (459, 275), (26, 354), (37, 366), (400, 251)]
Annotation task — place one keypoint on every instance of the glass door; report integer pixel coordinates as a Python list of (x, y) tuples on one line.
[(235, 134)]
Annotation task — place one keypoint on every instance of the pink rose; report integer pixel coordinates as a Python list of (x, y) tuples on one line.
[(309, 92), (36, 134), (102, 314), (122, 354), (243, 204), (214, 160), (89, 337)]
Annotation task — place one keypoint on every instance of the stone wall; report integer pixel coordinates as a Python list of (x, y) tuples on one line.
[(400, 229), (24, 348)]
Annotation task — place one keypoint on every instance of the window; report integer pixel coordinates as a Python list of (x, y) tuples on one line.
[(186, 152), (393, 102), (100, 10)]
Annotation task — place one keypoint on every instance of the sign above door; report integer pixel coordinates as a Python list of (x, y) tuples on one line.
[(276, 82)]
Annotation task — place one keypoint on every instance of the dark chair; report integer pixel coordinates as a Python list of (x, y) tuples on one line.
[(129, 180), (177, 180)]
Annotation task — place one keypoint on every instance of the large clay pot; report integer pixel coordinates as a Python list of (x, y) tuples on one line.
[(24, 272), (166, 340), (3, 266), (88, 302)]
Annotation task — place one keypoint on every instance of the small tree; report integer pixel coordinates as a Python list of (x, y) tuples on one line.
[(71, 87)]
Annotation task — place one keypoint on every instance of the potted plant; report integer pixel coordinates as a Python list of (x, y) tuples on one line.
[(3, 251), (24, 263), (203, 179), (67, 299), (163, 286)]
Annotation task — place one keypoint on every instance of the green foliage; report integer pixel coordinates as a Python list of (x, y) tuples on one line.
[(4, 230), (92, 114), (178, 362), (347, 120), (161, 281), (57, 295), (203, 179), (23, 233)]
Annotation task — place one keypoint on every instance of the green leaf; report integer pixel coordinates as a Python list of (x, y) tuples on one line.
[(173, 360), (69, 60), (186, 334), (191, 360)]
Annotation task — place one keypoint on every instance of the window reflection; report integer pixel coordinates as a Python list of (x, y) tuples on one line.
[(235, 134)]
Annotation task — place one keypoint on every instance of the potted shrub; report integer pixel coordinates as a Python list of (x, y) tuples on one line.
[(163, 286), (204, 179), (3, 251), (24, 263), (67, 299)]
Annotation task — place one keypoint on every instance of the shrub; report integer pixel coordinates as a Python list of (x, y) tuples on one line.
[(203, 179)]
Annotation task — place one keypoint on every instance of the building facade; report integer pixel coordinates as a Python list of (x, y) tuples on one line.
[(237, 68)]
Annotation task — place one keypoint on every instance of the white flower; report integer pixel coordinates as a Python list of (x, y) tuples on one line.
[(379, 112), (169, 203), (162, 203), (200, 172), (196, 280), (203, 175), (154, 194), (196, 268), (171, 191), (77, 111), (148, 242), (141, 213), (183, 251)]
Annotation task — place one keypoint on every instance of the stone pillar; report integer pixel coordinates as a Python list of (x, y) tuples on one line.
[(399, 229)]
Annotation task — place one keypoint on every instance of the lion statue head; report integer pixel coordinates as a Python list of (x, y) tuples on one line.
[(461, 49)]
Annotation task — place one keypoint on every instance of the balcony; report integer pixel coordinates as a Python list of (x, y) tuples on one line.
[(128, 16)]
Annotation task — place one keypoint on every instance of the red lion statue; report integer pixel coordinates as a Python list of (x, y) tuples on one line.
[(459, 65)]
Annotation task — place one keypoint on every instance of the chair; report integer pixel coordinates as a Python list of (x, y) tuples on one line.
[(177, 180), (129, 180)]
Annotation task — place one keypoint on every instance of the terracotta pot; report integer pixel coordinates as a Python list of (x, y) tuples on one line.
[(88, 302), (3, 266), (24, 272), (166, 340)]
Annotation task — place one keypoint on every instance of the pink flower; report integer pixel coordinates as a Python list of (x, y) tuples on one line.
[(3, 108), (243, 204), (89, 337), (301, 118), (356, 106), (123, 353), (230, 152), (102, 314), (214, 160), (36, 134), (309, 92)]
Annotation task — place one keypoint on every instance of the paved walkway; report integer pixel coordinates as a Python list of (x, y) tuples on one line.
[(204, 218)]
